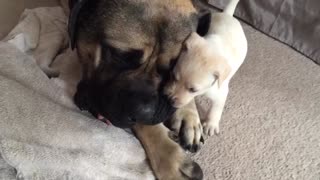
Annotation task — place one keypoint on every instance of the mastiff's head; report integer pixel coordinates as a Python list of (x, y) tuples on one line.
[(127, 48)]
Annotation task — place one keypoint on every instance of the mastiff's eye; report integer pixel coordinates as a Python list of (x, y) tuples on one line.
[(174, 77), (129, 59)]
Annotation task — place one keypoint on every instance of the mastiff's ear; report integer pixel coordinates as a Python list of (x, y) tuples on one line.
[(75, 8), (205, 11), (204, 24), (72, 3)]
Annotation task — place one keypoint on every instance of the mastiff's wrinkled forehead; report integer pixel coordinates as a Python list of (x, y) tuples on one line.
[(127, 47)]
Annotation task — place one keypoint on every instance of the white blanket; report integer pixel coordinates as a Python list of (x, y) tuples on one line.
[(42, 134)]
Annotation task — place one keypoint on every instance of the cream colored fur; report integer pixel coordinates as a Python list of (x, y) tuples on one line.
[(207, 64)]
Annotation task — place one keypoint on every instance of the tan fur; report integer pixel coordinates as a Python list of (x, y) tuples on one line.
[(166, 155), (122, 31), (97, 57), (159, 12), (192, 125), (183, 7), (87, 56)]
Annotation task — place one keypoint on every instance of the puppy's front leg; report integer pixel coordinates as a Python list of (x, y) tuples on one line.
[(218, 99), (167, 158)]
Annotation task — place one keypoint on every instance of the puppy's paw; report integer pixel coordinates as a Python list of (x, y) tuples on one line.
[(210, 129)]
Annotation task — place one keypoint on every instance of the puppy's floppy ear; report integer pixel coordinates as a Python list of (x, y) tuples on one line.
[(221, 70)]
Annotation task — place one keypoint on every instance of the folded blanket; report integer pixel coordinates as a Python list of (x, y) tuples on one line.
[(42, 34), (42, 134)]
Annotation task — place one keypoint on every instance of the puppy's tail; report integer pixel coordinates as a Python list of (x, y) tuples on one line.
[(231, 7)]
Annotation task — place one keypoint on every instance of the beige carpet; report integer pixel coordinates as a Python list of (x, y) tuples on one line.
[(270, 128)]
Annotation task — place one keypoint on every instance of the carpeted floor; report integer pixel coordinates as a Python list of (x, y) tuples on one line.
[(270, 129)]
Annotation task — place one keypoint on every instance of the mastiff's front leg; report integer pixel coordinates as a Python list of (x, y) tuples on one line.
[(186, 123), (167, 159)]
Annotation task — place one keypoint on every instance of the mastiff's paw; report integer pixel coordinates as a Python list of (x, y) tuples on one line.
[(176, 165), (191, 170), (188, 126), (167, 159)]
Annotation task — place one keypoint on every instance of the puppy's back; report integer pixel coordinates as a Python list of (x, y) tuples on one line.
[(226, 33)]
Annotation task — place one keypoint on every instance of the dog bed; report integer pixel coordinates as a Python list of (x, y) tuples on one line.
[(42, 134)]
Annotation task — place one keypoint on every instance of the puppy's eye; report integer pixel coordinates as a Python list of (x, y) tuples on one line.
[(192, 90)]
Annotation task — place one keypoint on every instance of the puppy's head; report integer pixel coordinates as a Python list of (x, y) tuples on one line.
[(198, 68)]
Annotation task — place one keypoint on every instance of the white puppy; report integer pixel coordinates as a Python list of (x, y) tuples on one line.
[(207, 64)]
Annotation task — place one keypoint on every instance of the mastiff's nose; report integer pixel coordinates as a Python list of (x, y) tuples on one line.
[(142, 103), (139, 104)]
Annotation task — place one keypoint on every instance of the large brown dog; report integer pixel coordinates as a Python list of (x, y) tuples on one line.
[(127, 48)]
